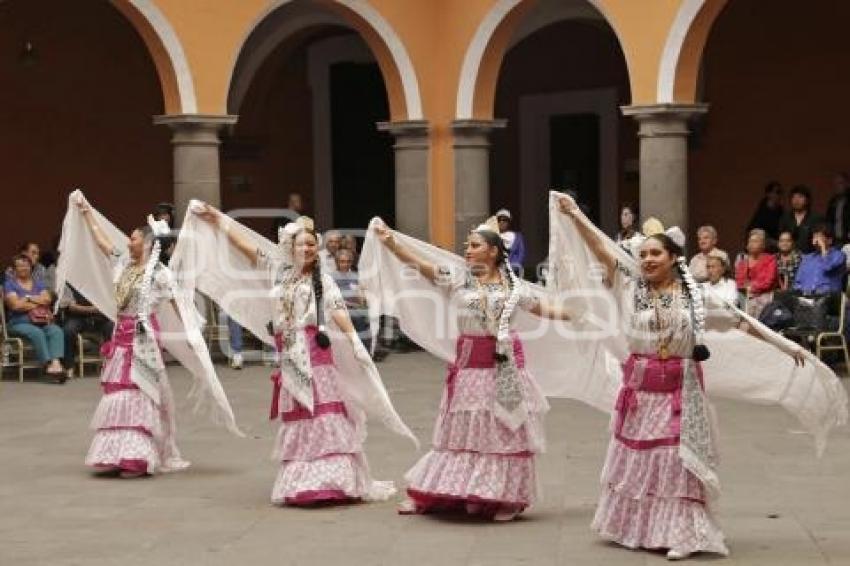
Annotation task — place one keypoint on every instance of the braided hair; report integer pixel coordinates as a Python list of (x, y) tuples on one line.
[(503, 332), (322, 338), (694, 294)]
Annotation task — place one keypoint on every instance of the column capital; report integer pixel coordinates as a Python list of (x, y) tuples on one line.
[(407, 133), (475, 133), (195, 129), (664, 120), (473, 127), (198, 121)]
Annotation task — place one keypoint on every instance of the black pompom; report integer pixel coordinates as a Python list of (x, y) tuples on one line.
[(323, 341), (701, 353), (500, 357)]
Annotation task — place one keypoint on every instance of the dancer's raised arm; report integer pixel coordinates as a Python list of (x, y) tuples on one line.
[(103, 242), (426, 268), (218, 219), (585, 228)]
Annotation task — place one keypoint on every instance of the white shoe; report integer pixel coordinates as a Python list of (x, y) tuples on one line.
[(675, 554), (236, 361)]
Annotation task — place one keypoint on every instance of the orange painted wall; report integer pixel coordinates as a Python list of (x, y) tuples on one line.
[(80, 115), (776, 82)]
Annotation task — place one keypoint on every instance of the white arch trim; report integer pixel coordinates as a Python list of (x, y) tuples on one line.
[(162, 27), (685, 17), (409, 82), (475, 53)]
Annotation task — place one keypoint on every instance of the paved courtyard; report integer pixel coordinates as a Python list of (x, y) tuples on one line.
[(781, 505)]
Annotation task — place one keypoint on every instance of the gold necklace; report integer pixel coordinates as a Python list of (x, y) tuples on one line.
[(662, 330), (127, 282)]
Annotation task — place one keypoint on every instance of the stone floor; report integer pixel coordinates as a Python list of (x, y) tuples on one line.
[(781, 505)]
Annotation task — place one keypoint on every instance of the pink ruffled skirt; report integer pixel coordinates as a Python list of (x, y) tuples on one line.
[(477, 464), (320, 453), (649, 499), (131, 430)]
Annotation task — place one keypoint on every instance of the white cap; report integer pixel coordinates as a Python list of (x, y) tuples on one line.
[(504, 212)]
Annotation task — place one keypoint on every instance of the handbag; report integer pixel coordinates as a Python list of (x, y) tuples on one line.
[(40, 316)]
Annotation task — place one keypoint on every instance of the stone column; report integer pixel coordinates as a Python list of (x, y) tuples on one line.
[(663, 137), (472, 173), (412, 195), (196, 161)]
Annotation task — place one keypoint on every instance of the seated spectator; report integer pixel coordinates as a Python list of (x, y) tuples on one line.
[(80, 316), (707, 244), (32, 251), (234, 337), (30, 317), (787, 261), (332, 241), (800, 220), (755, 274), (769, 211), (718, 281), (822, 271), (349, 242), (514, 242), (348, 282)]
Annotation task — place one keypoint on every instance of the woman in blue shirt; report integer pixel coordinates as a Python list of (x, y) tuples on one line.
[(24, 294)]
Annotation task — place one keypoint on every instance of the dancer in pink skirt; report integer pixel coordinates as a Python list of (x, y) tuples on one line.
[(490, 423), (135, 419), (320, 441), (660, 470)]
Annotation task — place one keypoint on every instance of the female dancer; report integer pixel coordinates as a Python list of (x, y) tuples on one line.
[(490, 425), (660, 470), (320, 441), (135, 420)]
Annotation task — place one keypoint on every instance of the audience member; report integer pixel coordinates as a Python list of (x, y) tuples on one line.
[(755, 274), (787, 261), (628, 224), (513, 240), (347, 280), (28, 303), (332, 241), (718, 281), (294, 209), (769, 211), (800, 220), (822, 270), (838, 209), (707, 244), (80, 316)]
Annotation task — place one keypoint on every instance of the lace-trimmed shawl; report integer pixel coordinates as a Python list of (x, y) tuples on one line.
[(205, 260), (741, 366), (87, 269)]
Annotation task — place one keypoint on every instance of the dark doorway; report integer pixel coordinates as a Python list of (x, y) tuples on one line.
[(574, 146), (363, 161)]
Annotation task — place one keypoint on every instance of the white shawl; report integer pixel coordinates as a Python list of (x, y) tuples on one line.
[(84, 266), (204, 259), (561, 365), (741, 367)]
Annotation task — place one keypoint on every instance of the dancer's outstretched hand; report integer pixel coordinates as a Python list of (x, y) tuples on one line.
[(384, 234), (82, 204), (207, 213), (567, 205)]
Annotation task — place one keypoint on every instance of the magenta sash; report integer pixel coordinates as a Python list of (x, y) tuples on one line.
[(652, 374), (477, 352), (122, 337)]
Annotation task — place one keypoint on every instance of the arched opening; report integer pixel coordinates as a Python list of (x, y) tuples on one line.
[(771, 74), (560, 84), (80, 91), (310, 84)]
